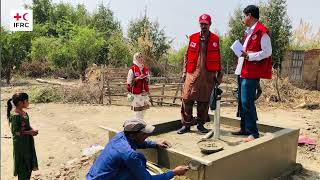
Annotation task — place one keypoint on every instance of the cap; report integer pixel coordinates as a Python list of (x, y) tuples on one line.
[(205, 18), (135, 125)]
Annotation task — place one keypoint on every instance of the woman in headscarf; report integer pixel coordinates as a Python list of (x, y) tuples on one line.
[(138, 85)]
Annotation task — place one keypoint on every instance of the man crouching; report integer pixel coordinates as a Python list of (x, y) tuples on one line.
[(120, 160)]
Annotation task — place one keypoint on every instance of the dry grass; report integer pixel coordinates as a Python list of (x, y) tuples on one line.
[(290, 95)]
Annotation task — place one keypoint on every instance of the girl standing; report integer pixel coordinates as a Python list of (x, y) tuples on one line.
[(138, 85), (24, 154)]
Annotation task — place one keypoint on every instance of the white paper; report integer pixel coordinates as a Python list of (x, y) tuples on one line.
[(237, 48), (239, 66)]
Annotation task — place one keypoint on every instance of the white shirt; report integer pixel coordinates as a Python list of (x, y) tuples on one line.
[(266, 48)]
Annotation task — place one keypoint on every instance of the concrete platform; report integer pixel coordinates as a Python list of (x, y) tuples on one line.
[(262, 159)]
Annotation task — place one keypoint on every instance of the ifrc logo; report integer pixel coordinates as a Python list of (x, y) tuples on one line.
[(254, 37), (21, 20), (137, 74), (204, 17), (214, 44), (193, 44)]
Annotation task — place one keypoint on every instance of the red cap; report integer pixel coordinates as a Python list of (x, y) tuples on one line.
[(205, 18)]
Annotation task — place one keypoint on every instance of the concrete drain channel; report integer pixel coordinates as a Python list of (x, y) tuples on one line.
[(226, 158)]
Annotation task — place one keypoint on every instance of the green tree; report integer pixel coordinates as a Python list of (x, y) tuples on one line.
[(227, 56), (62, 57), (14, 49), (40, 30), (236, 32), (41, 11), (63, 11), (82, 17), (104, 21), (41, 46), (177, 57), (147, 37), (274, 16), (119, 51), (86, 43)]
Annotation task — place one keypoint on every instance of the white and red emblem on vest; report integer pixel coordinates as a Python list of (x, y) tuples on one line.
[(254, 37), (214, 44), (193, 44)]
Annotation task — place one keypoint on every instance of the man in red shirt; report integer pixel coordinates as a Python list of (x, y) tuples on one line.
[(255, 64), (201, 72)]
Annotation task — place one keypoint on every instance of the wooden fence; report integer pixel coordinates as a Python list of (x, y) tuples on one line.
[(163, 90)]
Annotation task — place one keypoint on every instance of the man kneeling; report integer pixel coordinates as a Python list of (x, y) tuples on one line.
[(120, 160)]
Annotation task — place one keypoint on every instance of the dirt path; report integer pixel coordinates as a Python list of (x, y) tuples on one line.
[(64, 130)]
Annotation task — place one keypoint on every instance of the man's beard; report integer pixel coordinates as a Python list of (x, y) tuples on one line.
[(204, 31)]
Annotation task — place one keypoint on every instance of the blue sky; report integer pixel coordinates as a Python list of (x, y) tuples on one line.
[(179, 17)]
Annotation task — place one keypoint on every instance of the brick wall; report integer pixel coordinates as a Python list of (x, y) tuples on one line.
[(310, 70), (311, 67)]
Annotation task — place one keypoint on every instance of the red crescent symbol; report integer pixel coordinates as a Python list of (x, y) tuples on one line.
[(24, 16)]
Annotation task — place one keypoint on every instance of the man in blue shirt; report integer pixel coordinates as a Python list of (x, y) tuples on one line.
[(120, 160)]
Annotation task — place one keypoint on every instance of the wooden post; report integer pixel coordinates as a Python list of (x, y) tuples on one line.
[(109, 91), (176, 93), (162, 93), (101, 88), (151, 100)]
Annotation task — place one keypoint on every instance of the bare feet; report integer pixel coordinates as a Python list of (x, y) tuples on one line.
[(248, 139)]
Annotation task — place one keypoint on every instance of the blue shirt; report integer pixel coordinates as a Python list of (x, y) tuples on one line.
[(120, 161)]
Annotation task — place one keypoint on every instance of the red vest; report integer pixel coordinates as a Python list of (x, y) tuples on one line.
[(213, 53), (257, 69), (141, 84)]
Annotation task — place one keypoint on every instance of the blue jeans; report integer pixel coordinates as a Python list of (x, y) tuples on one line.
[(248, 113)]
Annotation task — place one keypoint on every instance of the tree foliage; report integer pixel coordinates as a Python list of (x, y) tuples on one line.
[(177, 57), (86, 43), (14, 49), (274, 16), (147, 37), (41, 46), (119, 50), (104, 21), (42, 10), (236, 32)]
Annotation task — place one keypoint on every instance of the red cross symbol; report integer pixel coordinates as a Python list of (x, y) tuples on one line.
[(17, 16)]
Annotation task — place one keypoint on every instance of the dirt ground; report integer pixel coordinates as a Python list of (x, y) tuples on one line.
[(66, 129)]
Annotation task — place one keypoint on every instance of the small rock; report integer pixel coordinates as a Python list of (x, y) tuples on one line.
[(84, 159), (51, 157), (72, 167), (72, 161), (48, 164), (63, 178), (58, 174), (65, 173), (312, 148)]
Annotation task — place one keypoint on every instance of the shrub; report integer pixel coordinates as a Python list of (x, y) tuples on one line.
[(45, 94)]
